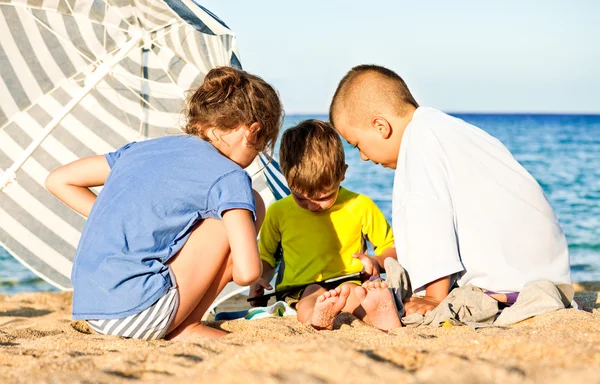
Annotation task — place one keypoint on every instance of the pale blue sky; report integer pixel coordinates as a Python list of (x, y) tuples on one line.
[(458, 56)]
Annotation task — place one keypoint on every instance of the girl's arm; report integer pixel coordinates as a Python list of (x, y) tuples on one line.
[(239, 225), (70, 183), (258, 288)]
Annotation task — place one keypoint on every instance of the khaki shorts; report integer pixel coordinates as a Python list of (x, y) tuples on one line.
[(293, 297)]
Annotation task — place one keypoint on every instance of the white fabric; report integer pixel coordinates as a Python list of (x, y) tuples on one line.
[(462, 203)]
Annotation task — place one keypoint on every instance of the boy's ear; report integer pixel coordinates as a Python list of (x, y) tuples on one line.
[(345, 169), (382, 126)]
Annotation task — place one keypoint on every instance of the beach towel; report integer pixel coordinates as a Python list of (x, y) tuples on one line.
[(279, 309)]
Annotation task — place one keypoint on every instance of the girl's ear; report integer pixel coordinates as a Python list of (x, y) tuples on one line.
[(382, 126), (251, 132)]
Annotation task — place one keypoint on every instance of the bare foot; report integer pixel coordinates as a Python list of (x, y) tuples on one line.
[(195, 331), (328, 305), (378, 303)]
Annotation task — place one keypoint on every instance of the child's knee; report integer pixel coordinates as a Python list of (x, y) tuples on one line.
[(313, 289)]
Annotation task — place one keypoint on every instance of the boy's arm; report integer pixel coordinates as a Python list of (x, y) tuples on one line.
[(388, 252), (379, 233), (70, 183), (435, 292), (269, 241), (268, 273), (373, 265)]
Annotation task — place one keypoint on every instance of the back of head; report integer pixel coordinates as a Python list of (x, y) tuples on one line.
[(368, 89), (311, 156), (230, 97)]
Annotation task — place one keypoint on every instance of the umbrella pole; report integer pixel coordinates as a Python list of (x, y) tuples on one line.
[(91, 82)]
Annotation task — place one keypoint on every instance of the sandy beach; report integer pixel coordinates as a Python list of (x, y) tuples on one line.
[(40, 343)]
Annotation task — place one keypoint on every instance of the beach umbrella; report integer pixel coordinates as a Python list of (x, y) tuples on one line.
[(84, 77)]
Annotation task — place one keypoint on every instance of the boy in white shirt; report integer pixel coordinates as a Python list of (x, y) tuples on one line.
[(464, 210)]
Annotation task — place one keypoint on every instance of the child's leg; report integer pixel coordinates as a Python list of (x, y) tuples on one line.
[(321, 313), (306, 305), (328, 305), (202, 268), (377, 301), (353, 304)]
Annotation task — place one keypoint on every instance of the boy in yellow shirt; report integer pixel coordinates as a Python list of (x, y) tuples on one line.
[(320, 231)]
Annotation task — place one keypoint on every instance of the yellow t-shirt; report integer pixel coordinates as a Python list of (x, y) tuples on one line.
[(319, 245)]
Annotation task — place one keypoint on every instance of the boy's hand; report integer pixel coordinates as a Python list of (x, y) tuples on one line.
[(258, 289), (370, 266), (420, 305)]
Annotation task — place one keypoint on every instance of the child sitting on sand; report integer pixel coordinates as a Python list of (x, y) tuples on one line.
[(177, 218), (321, 229), (464, 210)]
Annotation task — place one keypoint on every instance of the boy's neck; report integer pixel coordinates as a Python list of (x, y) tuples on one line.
[(400, 123)]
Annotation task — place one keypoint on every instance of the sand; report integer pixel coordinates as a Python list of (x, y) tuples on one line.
[(40, 343)]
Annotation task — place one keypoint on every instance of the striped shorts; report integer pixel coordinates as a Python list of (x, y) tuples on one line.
[(150, 324)]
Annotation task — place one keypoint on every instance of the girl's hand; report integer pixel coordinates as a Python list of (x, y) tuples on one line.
[(71, 182)]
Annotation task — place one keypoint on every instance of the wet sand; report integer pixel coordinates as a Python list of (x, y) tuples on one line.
[(40, 343)]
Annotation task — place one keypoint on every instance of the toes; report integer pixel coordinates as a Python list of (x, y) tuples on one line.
[(375, 284), (360, 292), (344, 290)]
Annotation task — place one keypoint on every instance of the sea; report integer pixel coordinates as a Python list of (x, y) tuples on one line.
[(561, 151)]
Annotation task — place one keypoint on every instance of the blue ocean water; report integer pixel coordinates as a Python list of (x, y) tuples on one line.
[(561, 151)]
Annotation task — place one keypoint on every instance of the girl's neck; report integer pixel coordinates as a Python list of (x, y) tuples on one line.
[(233, 145)]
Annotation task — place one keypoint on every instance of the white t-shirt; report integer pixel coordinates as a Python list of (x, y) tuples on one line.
[(463, 204)]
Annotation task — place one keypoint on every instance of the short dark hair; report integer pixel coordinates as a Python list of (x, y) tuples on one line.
[(400, 95)]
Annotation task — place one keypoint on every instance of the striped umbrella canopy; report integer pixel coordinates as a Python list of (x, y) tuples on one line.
[(83, 77)]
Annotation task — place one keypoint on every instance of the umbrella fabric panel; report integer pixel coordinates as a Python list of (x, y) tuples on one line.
[(41, 267), (200, 50), (153, 14), (48, 51), (274, 177), (38, 60), (116, 13), (41, 228)]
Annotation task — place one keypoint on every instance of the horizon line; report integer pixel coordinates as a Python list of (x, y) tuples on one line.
[(473, 113)]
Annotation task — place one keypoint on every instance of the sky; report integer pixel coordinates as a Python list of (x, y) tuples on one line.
[(457, 56)]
